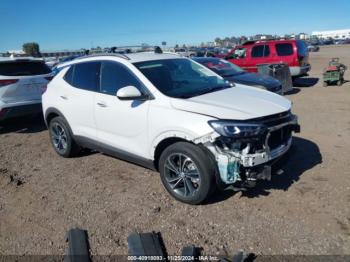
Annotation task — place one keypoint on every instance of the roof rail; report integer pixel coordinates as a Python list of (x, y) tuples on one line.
[(267, 39), (105, 54)]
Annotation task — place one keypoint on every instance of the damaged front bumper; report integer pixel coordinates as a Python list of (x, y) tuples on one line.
[(250, 159)]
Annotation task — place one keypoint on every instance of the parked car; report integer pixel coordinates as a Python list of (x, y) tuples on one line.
[(171, 114), (235, 74), (51, 61), (328, 41), (184, 52), (68, 58), (252, 53), (22, 81), (313, 48), (342, 41)]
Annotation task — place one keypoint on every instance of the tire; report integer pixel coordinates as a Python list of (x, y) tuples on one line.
[(339, 83), (194, 182), (325, 84), (61, 138)]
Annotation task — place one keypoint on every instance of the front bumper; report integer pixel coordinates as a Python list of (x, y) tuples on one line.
[(299, 70), (245, 164), (256, 159)]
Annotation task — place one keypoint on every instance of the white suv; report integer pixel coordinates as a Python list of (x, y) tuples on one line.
[(22, 82), (171, 114)]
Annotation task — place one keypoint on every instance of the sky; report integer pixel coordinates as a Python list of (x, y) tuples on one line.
[(75, 24)]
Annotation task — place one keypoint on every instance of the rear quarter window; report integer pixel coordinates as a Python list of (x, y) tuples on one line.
[(302, 48), (24, 68), (285, 49), (69, 75)]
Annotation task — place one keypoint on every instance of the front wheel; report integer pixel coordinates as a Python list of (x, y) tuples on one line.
[(62, 138), (187, 173)]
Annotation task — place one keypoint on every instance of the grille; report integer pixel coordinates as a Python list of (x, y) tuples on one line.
[(279, 137), (274, 120)]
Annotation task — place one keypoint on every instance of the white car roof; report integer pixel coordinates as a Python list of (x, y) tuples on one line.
[(132, 57)]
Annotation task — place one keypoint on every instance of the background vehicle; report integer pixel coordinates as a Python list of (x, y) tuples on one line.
[(313, 48), (51, 61), (221, 52), (171, 114), (237, 75), (292, 52), (184, 52), (22, 81), (68, 58)]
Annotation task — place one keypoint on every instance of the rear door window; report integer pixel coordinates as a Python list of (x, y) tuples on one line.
[(86, 76), (115, 76), (285, 49), (260, 51), (24, 68)]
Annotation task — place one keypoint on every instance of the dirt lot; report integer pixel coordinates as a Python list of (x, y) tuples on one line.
[(304, 211)]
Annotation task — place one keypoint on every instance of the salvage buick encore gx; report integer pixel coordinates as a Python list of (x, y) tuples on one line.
[(171, 114)]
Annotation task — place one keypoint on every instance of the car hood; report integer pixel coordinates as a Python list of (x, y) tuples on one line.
[(237, 103), (254, 79)]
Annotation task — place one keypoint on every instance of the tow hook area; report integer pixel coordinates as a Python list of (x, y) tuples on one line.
[(250, 178), (232, 170)]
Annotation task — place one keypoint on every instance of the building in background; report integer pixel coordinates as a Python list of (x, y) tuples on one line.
[(334, 34)]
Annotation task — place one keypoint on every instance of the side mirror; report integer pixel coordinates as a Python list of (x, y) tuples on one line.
[(130, 93)]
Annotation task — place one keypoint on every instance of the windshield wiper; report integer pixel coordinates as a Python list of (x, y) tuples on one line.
[(211, 89)]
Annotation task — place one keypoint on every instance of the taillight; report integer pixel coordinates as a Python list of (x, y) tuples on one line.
[(6, 82), (49, 78)]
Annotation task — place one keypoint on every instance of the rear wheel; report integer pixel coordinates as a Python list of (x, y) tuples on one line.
[(62, 138), (187, 173)]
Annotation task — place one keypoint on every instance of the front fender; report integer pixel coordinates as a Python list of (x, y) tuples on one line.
[(188, 136)]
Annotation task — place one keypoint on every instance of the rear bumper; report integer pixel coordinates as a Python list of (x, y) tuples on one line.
[(299, 70), (20, 110)]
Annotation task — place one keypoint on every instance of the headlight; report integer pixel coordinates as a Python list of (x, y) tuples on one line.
[(236, 129)]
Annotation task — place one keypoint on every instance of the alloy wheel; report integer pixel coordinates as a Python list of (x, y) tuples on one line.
[(182, 174), (59, 137)]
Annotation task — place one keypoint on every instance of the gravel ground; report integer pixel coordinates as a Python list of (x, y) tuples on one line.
[(304, 211)]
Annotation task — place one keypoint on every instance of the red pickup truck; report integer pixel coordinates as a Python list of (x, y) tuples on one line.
[(252, 53)]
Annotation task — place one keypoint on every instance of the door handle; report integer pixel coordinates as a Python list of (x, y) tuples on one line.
[(101, 104), (64, 97)]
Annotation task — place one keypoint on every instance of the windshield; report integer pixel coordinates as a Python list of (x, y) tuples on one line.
[(222, 67), (181, 78)]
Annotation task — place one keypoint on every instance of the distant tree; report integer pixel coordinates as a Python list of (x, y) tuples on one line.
[(176, 46), (183, 46), (218, 41), (234, 40), (243, 39), (31, 49)]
